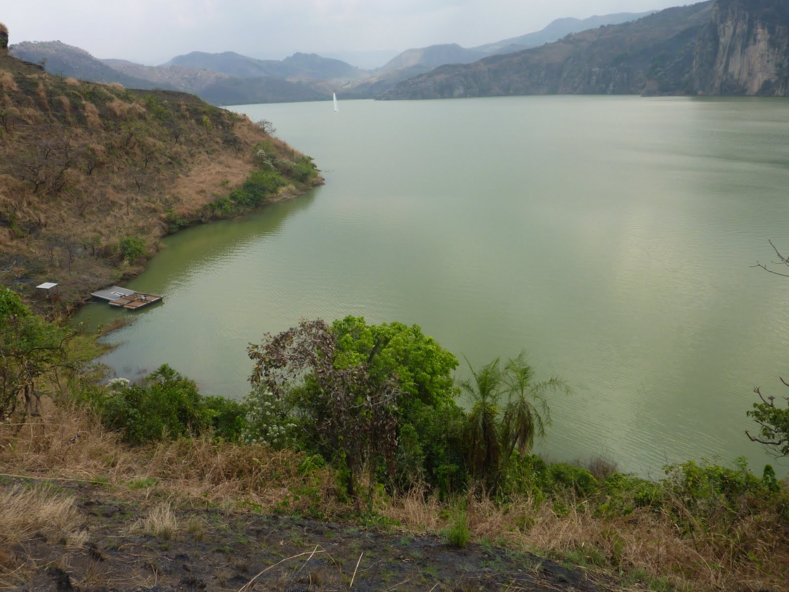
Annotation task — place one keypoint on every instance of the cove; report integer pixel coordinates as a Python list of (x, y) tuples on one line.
[(611, 238)]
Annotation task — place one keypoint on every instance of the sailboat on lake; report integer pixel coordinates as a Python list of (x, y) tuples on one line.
[(336, 106)]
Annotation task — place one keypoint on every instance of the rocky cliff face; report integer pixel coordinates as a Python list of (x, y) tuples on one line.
[(726, 47), (744, 50), (653, 54)]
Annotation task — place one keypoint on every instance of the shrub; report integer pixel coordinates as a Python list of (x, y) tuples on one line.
[(228, 418), (166, 405), (260, 185), (267, 420), (562, 476), (132, 248)]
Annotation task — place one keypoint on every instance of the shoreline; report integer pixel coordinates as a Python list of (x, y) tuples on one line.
[(287, 193)]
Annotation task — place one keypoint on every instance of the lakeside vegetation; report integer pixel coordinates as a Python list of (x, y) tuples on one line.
[(358, 422)]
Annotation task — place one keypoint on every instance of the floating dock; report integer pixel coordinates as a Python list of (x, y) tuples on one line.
[(123, 298)]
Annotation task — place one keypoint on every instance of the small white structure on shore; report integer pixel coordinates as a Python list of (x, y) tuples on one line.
[(50, 289)]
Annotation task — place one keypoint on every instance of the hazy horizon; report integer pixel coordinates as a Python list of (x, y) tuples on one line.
[(363, 34)]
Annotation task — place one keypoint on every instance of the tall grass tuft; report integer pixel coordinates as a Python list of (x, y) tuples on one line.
[(458, 533)]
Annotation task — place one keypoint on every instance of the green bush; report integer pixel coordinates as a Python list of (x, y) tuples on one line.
[(562, 476), (132, 248), (166, 405), (259, 186), (228, 418)]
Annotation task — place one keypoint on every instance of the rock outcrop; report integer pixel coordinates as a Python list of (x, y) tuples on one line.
[(744, 50), (726, 47), (653, 54)]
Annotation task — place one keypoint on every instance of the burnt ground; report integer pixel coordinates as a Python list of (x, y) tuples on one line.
[(217, 550)]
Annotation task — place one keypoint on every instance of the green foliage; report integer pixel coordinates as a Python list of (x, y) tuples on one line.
[(495, 436), (268, 420), (458, 533), (132, 248), (705, 488), (174, 221), (773, 422), (29, 348), (228, 418), (154, 106), (430, 422), (166, 405)]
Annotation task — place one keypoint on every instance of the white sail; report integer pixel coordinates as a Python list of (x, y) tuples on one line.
[(336, 106)]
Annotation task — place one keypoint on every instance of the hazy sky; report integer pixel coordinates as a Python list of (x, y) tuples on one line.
[(153, 31)]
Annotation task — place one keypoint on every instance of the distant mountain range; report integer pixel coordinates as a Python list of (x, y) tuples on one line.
[(674, 51), (231, 78), (299, 66), (734, 47)]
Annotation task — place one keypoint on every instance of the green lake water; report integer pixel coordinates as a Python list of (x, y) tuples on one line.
[(612, 239)]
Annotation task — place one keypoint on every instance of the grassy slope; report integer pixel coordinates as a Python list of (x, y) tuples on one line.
[(85, 165)]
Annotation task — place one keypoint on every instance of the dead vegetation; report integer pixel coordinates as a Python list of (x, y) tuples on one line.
[(84, 165), (25, 512), (68, 446)]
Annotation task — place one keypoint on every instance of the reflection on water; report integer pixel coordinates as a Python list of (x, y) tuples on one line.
[(611, 238)]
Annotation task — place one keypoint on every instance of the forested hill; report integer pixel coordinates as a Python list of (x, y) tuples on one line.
[(93, 175), (724, 47)]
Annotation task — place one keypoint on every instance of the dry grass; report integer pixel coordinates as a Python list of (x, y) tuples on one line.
[(160, 522), (70, 443), (26, 512), (753, 557), (92, 116), (749, 554), (7, 82)]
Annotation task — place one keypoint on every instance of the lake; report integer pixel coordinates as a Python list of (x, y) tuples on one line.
[(611, 238)]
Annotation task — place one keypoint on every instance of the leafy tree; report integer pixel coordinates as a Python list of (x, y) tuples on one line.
[(376, 394), (526, 414), (495, 433), (29, 348), (350, 413), (773, 424), (773, 421), (485, 390), (132, 248)]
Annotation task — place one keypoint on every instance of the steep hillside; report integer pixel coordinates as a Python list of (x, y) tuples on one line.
[(726, 47), (93, 175), (66, 60), (744, 50), (556, 30), (655, 51)]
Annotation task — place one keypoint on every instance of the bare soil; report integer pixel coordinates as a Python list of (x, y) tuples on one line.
[(215, 549)]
